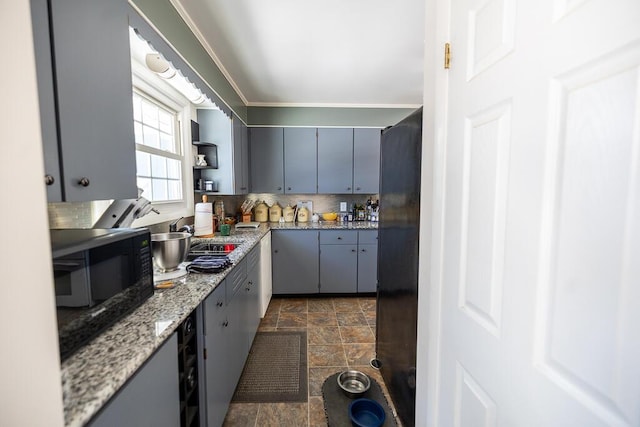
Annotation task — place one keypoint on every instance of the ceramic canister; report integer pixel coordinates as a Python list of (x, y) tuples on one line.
[(303, 214), (261, 212), (288, 213), (275, 212)]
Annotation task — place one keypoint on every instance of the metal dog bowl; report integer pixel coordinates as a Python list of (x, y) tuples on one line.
[(353, 383)]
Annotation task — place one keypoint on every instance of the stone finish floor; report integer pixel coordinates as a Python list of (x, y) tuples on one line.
[(340, 335)]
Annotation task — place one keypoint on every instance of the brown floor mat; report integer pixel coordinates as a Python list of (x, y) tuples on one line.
[(276, 369)]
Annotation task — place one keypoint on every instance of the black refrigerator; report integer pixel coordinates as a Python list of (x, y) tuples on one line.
[(398, 236)]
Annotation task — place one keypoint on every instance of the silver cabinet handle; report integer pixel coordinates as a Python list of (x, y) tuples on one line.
[(49, 180)]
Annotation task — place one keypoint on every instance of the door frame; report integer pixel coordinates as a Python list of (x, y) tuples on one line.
[(434, 137)]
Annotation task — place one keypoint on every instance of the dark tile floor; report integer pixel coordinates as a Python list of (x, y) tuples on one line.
[(340, 335)]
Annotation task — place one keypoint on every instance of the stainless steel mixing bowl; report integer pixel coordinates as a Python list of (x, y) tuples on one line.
[(170, 249)]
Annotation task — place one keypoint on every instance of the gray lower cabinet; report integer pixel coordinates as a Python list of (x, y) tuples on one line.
[(367, 261), (366, 161), (151, 398), (87, 108), (267, 160), (295, 261), (348, 261), (338, 261), (335, 160), (218, 380), (231, 315), (338, 268), (300, 173), (251, 296)]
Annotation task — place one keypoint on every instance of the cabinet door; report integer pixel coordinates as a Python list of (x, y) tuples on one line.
[(245, 159), (367, 268), (240, 157), (295, 262), (267, 160), (151, 397), (338, 268), (217, 128), (219, 382), (366, 161), (236, 338), (300, 159), (252, 296), (47, 103), (335, 161), (94, 98)]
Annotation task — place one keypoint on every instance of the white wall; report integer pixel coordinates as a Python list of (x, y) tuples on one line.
[(30, 390)]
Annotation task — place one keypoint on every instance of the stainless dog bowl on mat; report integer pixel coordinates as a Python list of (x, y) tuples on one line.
[(353, 383)]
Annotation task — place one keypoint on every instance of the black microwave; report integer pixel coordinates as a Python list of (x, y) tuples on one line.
[(100, 275)]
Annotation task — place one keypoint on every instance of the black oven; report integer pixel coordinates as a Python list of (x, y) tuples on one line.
[(99, 276)]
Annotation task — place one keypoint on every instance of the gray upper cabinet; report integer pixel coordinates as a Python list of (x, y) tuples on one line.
[(267, 160), (300, 155), (240, 157), (366, 161), (88, 89), (335, 160)]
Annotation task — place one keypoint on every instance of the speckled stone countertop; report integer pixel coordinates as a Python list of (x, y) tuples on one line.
[(92, 375)]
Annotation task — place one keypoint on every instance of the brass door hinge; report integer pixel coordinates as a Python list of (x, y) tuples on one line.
[(447, 56)]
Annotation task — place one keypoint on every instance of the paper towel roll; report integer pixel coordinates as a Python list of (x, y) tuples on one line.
[(203, 223)]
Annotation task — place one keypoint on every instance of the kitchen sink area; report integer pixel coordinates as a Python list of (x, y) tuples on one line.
[(211, 248)]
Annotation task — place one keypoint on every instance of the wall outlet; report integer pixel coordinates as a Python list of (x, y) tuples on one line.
[(343, 206)]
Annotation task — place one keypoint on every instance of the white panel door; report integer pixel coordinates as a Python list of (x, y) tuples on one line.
[(540, 281)]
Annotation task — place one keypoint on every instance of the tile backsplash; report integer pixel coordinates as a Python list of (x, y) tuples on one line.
[(85, 214)]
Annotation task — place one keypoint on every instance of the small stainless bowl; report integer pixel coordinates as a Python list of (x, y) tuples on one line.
[(353, 383)]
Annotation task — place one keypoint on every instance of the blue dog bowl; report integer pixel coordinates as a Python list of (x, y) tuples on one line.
[(366, 413)]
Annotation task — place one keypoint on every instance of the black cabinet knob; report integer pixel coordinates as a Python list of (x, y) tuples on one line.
[(353, 250), (358, 188), (339, 238), (364, 250), (289, 188), (219, 303), (349, 188), (49, 180), (225, 324), (84, 181), (275, 251), (279, 188)]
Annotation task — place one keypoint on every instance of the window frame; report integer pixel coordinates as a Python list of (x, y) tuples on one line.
[(149, 85)]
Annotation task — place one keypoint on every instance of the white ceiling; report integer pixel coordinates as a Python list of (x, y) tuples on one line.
[(320, 53)]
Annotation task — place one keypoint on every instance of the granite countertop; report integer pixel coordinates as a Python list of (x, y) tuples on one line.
[(92, 375)]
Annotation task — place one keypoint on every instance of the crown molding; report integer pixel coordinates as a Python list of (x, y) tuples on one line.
[(177, 5), (330, 105)]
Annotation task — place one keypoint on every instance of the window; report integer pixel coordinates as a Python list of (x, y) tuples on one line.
[(158, 149)]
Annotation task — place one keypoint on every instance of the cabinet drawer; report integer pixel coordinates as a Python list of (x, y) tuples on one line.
[(338, 237), (368, 237), (235, 279)]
